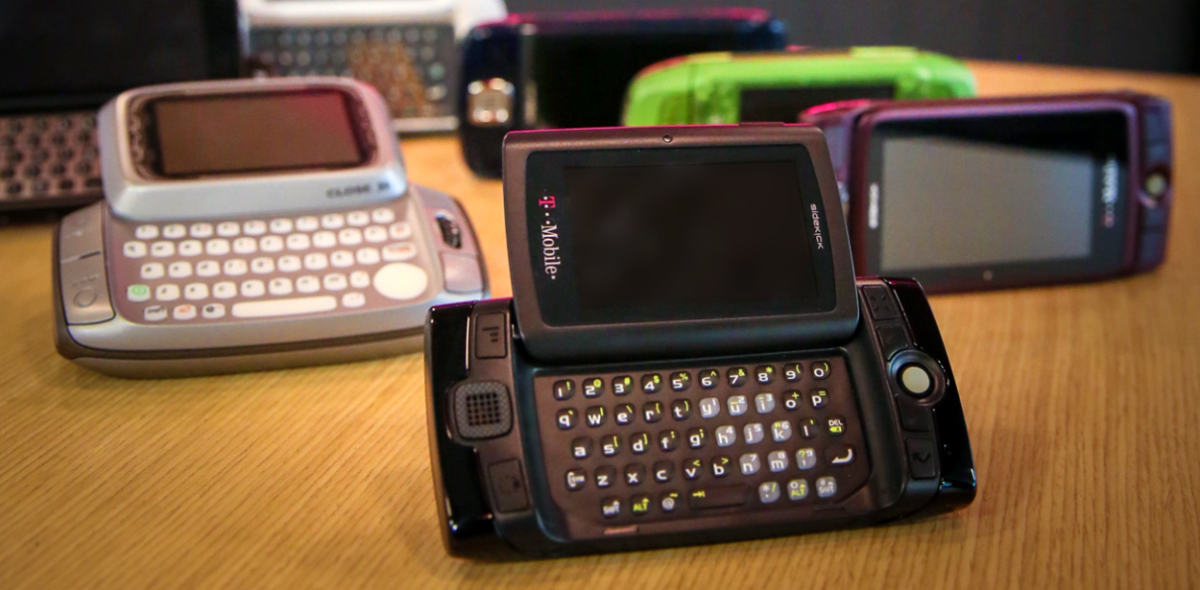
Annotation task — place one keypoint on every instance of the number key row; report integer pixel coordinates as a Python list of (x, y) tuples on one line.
[(681, 380)]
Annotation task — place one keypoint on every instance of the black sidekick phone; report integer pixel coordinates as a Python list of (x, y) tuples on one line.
[(684, 359)]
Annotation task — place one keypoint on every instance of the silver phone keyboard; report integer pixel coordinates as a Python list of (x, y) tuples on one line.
[(46, 160)]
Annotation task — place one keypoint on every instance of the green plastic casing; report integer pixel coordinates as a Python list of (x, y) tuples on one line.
[(707, 87)]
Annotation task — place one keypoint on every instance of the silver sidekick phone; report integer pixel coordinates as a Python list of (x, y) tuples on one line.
[(250, 225), (406, 49)]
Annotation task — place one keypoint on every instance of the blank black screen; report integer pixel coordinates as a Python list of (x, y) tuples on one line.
[(786, 104), (698, 239), (242, 133), (65, 47)]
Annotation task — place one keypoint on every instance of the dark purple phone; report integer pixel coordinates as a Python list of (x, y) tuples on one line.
[(1003, 192)]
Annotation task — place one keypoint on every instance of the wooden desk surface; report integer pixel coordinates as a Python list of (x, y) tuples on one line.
[(1083, 404)]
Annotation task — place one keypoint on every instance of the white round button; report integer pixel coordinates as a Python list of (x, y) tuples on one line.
[(400, 280), (916, 380)]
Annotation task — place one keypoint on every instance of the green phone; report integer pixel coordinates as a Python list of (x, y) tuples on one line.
[(777, 86)]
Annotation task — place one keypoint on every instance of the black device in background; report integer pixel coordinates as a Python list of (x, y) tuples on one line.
[(677, 366), (571, 70), (64, 58)]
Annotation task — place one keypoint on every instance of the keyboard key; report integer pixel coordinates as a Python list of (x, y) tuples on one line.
[(709, 378), (797, 489), (213, 311), (308, 284), (696, 437), (137, 293), (174, 231), (781, 430), (316, 261), (749, 463), (350, 237), (283, 307), (146, 232), (341, 259), (360, 279), (621, 385), (610, 507), (726, 436), (134, 249), (280, 286), (225, 290), (358, 218), (693, 469), (738, 405), (754, 433), (680, 381), (383, 215), (839, 455), (681, 409), (228, 229), (353, 300), (298, 242), (764, 403), (308, 223), (167, 292), (777, 461), (768, 492), (235, 267), (190, 248), (819, 398), (281, 226), (333, 221), (737, 376), (664, 471), (400, 281), (245, 245), (324, 239), (253, 288), (155, 313), (270, 244), (710, 407), (764, 375), (335, 282), (808, 428), (195, 292), (179, 269), (262, 265), (793, 372), (837, 425), (719, 466), (635, 474), (576, 479), (400, 230), (826, 486), (208, 268), (202, 230), (185, 312), (610, 445), (367, 256), (668, 440), (399, 252), (593, 387), (217, 247), (651, 383), (255, 228), (289, 263), (162, 249), (806, 459), (652, 412), (820, 370), (375, 234)]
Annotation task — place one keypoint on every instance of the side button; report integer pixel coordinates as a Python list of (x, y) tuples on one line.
[(915, 417), (462, 274), (491, 336), (922, 458), (85, 291), (80, 233), (508, 486), (891, 340), (879, 301)]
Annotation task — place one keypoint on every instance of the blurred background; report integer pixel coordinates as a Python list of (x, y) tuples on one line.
[(1155, 35)]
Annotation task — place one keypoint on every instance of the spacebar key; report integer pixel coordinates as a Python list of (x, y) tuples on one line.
[(280, 307), (722, 497)]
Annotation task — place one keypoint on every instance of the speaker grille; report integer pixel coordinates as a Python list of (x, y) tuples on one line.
[(482, 410)]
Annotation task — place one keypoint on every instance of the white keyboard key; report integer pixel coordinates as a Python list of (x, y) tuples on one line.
[(308, 284), (162, 249), (271, 244), (350, 237), (186, 311), (190, 248), (359, 279), (179, 269), (262, 265), (195, 292), (400, 280), (375, 234), (308, 223), (358, 218), (298, 242), (134, 249), (245, 246), (324, 239), (383, 215), (146, 232), (174, 231), (399, 252), (316, 261), (289, 263), (208, 268), (137, 293), (281, 226), (167, 292), (342, 259), (225, 290), (367, 256), (280, 286), (228, 229), (333, 221), (253, 288), (202, 230), (213, 311), (153, 270), (353, 300), (217, 247), (284, 307), (335, 282), (255, 228), (400, 230), (235, 267), (155, 313)]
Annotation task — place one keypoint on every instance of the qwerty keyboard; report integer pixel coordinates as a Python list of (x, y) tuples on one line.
[(623, 448), (409, 64), (264, 268), (48, 158)]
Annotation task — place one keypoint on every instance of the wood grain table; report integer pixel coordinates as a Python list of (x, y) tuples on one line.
[(1083, 404)]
